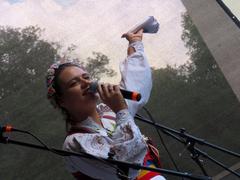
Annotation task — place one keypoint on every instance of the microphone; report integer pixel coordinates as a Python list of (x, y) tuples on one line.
[(131, 95)]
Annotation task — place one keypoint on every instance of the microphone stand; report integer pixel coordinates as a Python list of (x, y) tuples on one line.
[(7, 140), (189, 141)]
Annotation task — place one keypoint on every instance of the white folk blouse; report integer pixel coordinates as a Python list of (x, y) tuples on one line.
[(120, 133)]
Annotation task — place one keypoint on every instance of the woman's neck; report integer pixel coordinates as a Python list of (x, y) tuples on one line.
[(79, 118), (95, 116)]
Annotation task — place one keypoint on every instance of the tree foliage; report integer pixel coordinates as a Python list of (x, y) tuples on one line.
[(99, 60), (24, 60), (195, 96)]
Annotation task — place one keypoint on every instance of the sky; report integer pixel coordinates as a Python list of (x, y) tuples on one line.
[(234, 6), (97, 25)]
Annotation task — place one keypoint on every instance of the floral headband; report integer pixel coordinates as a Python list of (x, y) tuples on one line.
[(50, 79)]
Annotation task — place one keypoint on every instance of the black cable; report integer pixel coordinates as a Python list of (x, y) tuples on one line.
[(163, 142), (39, 140), (120, 172), (6, 140), (193, 139), (161, 138)]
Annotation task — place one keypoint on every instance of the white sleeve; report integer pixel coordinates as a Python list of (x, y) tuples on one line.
[(136, 76), (126, 142)]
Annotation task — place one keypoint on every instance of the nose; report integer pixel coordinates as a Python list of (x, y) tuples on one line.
[(85, 83)]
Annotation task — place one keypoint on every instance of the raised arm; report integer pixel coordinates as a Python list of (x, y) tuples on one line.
[(136, 72)]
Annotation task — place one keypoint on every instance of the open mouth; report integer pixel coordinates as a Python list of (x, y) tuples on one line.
[(85, 93), (88, 92)]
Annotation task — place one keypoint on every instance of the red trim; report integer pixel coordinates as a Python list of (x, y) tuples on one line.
[(109, 117)]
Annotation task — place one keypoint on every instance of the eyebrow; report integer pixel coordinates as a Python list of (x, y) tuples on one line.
[(76, 77)]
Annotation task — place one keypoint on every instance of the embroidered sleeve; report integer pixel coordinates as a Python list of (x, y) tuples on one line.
[(126, 142)]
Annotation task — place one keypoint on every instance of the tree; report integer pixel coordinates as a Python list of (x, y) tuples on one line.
[(203, 67), (100, 61), (195, 96), (24, 60)]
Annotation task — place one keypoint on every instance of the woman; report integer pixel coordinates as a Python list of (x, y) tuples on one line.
[(108, 129)]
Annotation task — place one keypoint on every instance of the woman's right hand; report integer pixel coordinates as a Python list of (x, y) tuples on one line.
[(111, 96)]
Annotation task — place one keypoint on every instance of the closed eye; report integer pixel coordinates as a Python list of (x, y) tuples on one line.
[(73, 83), (77, 80), (86, 76)]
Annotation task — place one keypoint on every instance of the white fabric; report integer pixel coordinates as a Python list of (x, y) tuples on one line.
[(126, 140), (136, 76), (159, 177)]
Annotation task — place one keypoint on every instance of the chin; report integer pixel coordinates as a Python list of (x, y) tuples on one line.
[(91, 100), (93, 97)]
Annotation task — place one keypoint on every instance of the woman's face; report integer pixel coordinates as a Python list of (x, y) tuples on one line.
[(74, 83)]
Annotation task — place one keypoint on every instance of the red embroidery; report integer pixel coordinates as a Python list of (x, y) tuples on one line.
[(109, 117)]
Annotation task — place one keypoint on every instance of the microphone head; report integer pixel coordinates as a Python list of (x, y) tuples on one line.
[(93, 87)]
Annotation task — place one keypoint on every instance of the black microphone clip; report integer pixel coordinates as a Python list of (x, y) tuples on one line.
[(3, 139)]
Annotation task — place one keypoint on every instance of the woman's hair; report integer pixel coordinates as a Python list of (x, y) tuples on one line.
[(54, 90)]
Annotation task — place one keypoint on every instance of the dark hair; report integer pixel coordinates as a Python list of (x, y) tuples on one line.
[(57, 87)]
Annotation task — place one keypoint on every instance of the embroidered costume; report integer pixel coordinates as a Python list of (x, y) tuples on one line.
[(118, 134)]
